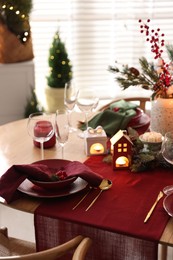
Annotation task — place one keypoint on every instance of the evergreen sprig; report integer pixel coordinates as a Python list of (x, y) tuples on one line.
[(169, 49), (158, 80), (15, 15), (131, 76), (143, 158)]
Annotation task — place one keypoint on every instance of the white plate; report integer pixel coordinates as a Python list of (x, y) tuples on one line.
[(30, 189)]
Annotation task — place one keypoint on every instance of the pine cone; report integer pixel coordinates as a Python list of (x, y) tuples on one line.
[(134, 71)]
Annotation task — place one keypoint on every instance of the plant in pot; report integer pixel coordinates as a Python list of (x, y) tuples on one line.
[(60, 72), (157, 78), (15, 40)]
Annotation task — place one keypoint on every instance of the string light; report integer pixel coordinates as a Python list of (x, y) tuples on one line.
[(23, 36)]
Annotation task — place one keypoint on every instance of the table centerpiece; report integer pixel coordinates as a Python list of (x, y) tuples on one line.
[(155, 77)]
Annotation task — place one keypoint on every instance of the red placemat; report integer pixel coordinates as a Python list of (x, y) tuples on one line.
[(120, 210)]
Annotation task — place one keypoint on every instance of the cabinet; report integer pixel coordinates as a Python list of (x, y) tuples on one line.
[(16, 81)]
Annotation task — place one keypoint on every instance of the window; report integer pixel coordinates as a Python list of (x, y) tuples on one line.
[(96, 33)]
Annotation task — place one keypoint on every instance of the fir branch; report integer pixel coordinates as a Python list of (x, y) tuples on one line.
[(148, 71), (130, 76), (169, 49)]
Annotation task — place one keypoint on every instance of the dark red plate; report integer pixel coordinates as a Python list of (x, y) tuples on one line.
[(30, 189)]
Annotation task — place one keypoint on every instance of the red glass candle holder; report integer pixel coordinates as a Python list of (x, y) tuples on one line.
[(41, 129)]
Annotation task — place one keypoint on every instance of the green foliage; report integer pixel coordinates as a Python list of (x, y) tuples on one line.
[(169, 49), (15, 15), (32, 104), (130, 76), (59, 64), (143, 158), (25, 6)]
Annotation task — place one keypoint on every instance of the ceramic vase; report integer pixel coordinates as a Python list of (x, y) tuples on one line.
[(54, 99), (162, 115)]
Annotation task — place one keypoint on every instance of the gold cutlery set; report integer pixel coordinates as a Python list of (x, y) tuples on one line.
[(105, 185)]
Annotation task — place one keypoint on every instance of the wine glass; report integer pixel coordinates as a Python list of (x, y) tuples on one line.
[(41, 128), (61, 128), (70, 98), (167, 152), (167, 147), (87, 100)]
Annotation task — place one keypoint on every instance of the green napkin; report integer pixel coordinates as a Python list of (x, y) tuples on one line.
[(112, 121)]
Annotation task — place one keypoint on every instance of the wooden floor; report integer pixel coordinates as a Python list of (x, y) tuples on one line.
[(169, 253)]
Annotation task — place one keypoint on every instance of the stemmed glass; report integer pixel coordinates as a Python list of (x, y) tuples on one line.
[(70, 98), (87, 100), (167, 152), (61, 128), (41, 128)]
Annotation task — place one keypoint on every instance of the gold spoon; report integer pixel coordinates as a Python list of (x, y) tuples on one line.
[(105, 185)]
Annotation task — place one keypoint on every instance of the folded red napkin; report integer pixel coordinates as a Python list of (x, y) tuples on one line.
[(15, 175)]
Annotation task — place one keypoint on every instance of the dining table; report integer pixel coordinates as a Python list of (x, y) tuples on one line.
[(110, 222)]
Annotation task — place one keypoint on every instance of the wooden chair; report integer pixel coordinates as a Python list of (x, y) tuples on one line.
[(13, 248), (141, 101)]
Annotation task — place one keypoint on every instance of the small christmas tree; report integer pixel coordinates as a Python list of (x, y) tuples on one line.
[(32, 104), (59, 64)]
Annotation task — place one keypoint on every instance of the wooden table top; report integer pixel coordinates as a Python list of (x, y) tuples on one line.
[(16, 147)]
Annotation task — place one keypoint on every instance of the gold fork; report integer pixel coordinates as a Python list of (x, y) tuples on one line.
[(160, 195), (90, 188)]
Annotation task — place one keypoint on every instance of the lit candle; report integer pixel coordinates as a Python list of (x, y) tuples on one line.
[(97, 149), (121, 161), (41, 129)]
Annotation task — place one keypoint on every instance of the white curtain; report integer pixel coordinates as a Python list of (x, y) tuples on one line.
[(96, 34)]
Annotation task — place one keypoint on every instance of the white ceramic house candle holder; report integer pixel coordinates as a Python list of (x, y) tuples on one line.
[(95, 141), (121, 147)]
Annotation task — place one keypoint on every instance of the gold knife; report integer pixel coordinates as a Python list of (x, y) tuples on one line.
[(153, 207)]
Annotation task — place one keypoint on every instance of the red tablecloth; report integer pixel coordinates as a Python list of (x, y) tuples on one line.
[(115, 221)]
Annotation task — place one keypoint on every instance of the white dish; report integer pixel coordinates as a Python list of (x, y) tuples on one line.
[(146, 142)]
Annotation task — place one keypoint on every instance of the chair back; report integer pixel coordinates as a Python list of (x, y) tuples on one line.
[(141, 101), (17, 249)]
